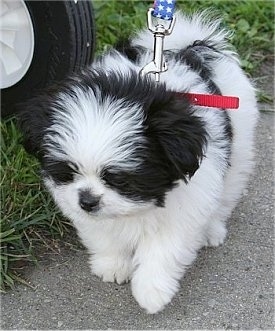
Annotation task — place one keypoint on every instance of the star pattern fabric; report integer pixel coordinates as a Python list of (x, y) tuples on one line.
[(164, 9)]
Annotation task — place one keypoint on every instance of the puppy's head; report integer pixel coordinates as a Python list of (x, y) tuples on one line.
[(112, 144)]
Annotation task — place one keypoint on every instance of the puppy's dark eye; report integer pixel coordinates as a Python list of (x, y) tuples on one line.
[(61, 172), (113, 179)]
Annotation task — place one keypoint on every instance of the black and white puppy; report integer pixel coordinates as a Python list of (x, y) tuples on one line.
[(147, 178)]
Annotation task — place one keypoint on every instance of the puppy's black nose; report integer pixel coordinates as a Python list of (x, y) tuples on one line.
[(88, 201)]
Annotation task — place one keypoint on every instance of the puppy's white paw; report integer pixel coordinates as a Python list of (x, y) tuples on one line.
[(216, 234), (149, 295), (111, 269)]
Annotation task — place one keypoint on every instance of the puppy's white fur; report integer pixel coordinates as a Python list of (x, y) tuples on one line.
[(148, 245)]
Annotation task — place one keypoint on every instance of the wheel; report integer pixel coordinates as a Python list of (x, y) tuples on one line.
[(41, 42)]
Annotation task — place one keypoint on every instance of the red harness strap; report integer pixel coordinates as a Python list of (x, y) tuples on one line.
[(212, 100)]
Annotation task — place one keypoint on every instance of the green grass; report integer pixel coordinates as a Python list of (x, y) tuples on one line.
[(28, 215)]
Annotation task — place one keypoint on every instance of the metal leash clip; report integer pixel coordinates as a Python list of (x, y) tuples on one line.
[(158, 64)]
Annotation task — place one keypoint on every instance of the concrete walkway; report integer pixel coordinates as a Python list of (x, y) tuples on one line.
[(229, 287)]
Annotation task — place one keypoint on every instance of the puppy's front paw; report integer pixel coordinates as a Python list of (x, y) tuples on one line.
[(111, 269), (216, 234), (150, 295)]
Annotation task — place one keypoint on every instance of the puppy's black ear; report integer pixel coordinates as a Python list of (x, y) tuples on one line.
[(180, 135), (33, 120)]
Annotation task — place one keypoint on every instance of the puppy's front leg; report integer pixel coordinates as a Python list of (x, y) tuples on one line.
[(110, 259), (160, 263), (111, 266)]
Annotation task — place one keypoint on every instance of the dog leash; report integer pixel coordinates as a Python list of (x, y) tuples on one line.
[(163, 10), (161, 21)]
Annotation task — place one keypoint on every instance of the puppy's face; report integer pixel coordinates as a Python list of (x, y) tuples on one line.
[(95, 160), (112, 144)]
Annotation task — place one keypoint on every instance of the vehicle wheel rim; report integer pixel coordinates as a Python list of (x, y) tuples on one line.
[(16, 42)]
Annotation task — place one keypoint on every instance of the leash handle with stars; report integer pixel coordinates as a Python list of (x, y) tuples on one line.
[(163, 10)]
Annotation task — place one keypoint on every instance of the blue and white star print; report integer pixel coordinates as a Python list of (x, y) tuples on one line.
[(164, 9)]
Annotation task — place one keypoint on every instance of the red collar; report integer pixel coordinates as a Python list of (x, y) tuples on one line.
[(212, 100)]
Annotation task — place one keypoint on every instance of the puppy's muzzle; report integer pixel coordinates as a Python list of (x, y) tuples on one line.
[(88, 201)]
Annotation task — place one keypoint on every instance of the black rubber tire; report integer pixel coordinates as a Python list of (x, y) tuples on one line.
[(64, 33)]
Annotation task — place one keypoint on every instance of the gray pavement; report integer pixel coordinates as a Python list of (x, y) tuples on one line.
[(229, 287)]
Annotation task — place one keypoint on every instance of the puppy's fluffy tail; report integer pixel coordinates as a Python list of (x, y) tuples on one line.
[(188, 29)]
